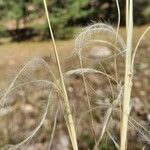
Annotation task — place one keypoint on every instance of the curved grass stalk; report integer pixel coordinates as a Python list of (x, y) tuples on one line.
[(106, 42), (88, 111), (89, 105), (143, 147), (99, 42), (32, 134), (53, 130), (2, 102), (95, 29), (137, 45), (103, 59), (87, 71), (91, 115), (141, 129), (98, 93), (105, 124), (87, 95), (109, 113), (111, 87), (69, 118), (118, 23), (108, 116), (116, 144), (21, 72), (116, 39), (35, 81), (94, 91), (84, 37)]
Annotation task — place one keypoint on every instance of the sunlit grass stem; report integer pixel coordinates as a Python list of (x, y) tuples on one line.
[(69, 118), (128, 75), (117, 32)]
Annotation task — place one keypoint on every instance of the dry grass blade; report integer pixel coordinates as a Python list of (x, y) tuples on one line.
[(105, 124), (116, 144), (87, 71), (141, 129), (53, 130)]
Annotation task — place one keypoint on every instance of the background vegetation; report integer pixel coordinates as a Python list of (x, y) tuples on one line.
[(25, 18)]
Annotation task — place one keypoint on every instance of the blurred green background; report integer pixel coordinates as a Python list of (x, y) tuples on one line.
[(26, 19)]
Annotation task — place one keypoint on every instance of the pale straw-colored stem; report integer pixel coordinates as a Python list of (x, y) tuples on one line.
[(128, 75), (69, 118), (116, 39)]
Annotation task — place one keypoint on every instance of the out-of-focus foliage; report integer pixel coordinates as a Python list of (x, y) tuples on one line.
[(18, 9), (65, 14), (106, 10), (141, 11), (146, 12)]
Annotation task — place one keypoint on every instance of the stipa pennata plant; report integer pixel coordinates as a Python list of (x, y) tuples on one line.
[(85, 38), (96, 34)]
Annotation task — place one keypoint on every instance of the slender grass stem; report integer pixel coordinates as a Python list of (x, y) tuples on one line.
[(128, 75), (69, 118), (137, 45), (88, 99), (116, 39), (53, 130)]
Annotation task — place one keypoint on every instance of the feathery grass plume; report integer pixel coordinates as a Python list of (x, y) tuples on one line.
[(27, 77), (94, 33), (111, 106), (137, 127), (87, 71), (108, 114), (22, 145), (69, 118), (86, 38)]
